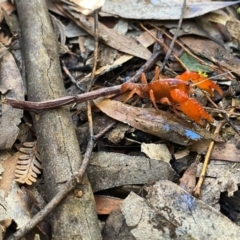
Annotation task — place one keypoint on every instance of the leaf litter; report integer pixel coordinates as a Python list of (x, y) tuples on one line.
[(168, 211)]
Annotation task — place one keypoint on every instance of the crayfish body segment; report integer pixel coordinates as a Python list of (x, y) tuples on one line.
[(174, 92)]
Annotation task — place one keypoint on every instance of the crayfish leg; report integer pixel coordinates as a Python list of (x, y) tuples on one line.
[(143, 78), (165, 101), (130, 95), (151, 94), (156, 75)]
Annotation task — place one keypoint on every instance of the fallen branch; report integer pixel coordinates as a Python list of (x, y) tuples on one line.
[(58, 102)]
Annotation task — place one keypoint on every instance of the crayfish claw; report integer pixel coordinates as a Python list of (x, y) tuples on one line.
[(195, 111), (201, 82)]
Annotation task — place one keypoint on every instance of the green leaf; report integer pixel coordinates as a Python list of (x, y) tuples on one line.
[(193, 65)]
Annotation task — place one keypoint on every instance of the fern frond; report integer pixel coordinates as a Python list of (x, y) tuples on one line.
[(29, 164)]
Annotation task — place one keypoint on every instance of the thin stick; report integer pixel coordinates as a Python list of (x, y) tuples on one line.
[(95, 49), (219, 110), (39, 106), (70, 76), (89, 109), (225, 115), (197, 189), (175, 36), (164, 46)]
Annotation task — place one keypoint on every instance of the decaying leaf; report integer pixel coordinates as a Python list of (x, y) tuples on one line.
[(118, 133), (221, 177), (9, 165), (213, 51), (233, 28), (29, 164), (156, 151), (109, 170), (11, 85), (188, 180), (231, 23), (158, 123), (15, 204), (171, 213), (145, 39), (160, 9), (111, 37), (222, 151), (87, 6), (191, 218)]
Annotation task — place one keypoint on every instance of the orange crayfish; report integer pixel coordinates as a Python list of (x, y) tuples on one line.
[(174, 92)]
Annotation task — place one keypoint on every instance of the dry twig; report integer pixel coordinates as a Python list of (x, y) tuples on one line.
[(58, 102), (164, 46), (197, 190), (175, 37)]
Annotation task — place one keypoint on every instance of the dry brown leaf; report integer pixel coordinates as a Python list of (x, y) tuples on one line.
[(87, 6), (29, 164), (9, 165), (222, 151), (188, 180), (212, 51), (159, 123), (110, 37), (190, 218), (160, 9), (8, 7), (107, 204), (11, 85), (233, 28)]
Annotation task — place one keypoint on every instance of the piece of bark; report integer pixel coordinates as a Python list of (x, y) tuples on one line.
[(108, 170), (74, 218)]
